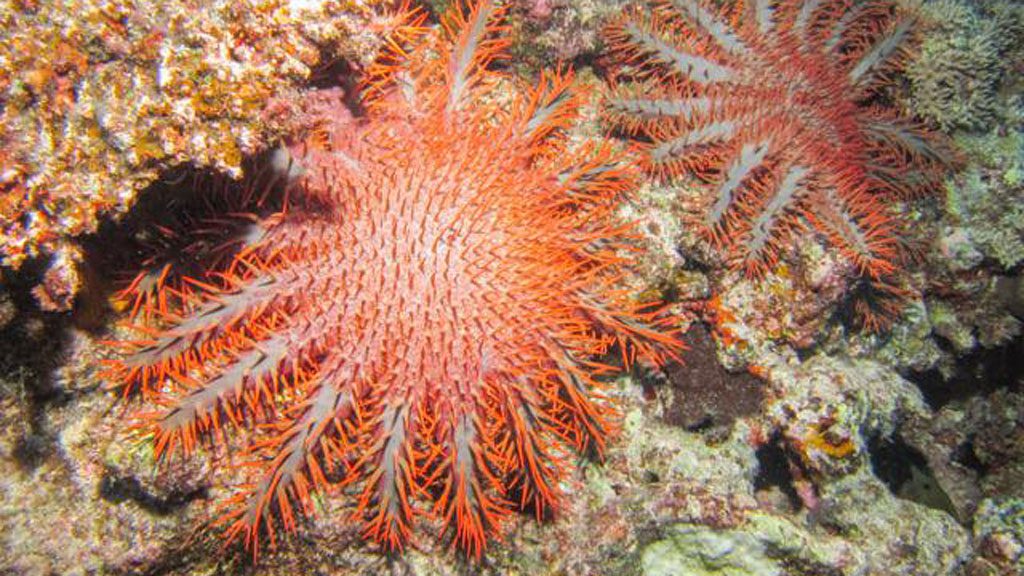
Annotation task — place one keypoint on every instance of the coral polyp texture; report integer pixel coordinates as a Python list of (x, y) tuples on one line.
[(427, 322), (776, 107)]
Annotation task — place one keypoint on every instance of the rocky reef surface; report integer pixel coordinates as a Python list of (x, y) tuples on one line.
[(100, 99), (786, 444)]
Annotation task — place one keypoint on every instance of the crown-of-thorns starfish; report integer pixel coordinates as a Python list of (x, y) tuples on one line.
[(423, 328), (774, 105)]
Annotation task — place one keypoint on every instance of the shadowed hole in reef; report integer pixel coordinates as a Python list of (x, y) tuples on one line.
[(773, 473), (33, 342), (338, 73), (906, 472), (187, 219), (32, 346), (966, 456), (978, 373), (31, 450), (116, 489)]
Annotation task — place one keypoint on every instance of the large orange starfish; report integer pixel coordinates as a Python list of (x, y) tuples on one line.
[(424, 322)]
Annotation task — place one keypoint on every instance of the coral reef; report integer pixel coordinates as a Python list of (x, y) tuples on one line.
[(779, 115), (805, 459), (421, 321), (999, 531), (985, 202), (787, 442), (973, 448), (955, 79), (958, 78), (90, 529), (99, 97), (548, 32), (742, 492), (967, 297)]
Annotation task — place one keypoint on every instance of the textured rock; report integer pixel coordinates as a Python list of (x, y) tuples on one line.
[(99, 98)]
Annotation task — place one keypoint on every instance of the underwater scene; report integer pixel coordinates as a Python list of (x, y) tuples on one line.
[(524, 287)]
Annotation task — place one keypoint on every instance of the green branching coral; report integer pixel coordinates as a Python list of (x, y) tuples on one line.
[(958, 78)]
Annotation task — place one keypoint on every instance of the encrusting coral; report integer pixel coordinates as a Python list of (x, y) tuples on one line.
[(98, 98), (776, 107), (984, 202), (423, 325)]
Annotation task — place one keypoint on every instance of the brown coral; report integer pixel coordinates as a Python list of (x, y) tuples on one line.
[(98, 97)]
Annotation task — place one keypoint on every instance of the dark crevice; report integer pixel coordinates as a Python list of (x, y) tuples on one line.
[(120, 248), (977, 374), (115, 489), (906, 473), (33, 343), (702, 425), (187, 219), (32, 449), (893, 461), (339, 73), (805, 566), (773, 472), (965, 455)]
